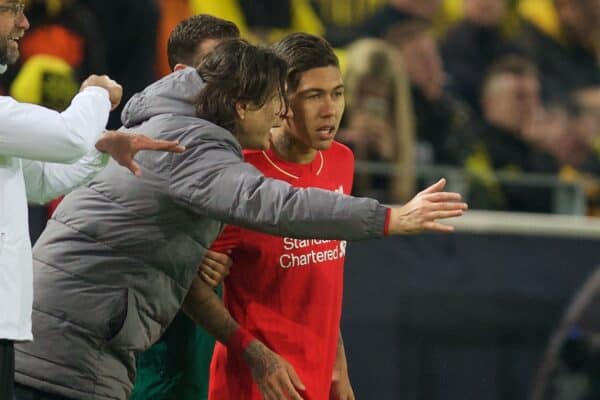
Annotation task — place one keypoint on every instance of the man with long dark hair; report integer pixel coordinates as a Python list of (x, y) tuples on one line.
[(176, 367)]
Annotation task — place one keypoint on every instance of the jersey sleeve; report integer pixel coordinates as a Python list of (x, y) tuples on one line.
[(229, 239)]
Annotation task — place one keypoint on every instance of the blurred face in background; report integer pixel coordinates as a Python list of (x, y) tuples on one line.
[(13, 25), (572, 17), (586, 123), (488, 13), (510, 101), (423, 64)]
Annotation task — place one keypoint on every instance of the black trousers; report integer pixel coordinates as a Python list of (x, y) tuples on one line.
[(27, 393), (7, 369)]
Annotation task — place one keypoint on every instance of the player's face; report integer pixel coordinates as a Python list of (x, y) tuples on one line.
[(255, 123), (317, 106), (13, 25)]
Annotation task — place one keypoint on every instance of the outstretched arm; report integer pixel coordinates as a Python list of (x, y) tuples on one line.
[(45, 181), (424, 210), (37, 133), (211, 179)]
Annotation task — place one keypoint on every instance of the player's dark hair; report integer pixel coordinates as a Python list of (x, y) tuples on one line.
[(238, 71), (190, 33), (302, 52)]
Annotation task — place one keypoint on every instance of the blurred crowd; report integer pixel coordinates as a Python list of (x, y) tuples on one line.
[(493, 88)]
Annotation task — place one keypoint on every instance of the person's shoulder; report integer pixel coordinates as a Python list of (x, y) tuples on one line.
[(190, 131), (461, 35), (340, 152), (254, 157), (203, 129)]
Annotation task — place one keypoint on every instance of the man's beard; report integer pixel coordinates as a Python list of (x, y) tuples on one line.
[(3, 52), (7, 56)]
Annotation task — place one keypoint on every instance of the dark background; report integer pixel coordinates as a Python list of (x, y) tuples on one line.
[(460, 316)]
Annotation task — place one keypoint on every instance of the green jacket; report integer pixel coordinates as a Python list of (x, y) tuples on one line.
[(177, 366)]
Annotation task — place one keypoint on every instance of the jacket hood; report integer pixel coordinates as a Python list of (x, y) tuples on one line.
[(173, 94)]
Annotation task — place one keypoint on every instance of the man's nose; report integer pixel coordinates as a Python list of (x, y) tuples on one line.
[(286, 112), (22, 21)]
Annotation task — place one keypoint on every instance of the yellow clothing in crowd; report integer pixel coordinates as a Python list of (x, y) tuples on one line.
[(304, 18)]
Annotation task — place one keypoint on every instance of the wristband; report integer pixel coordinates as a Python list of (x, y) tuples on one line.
[(239, 340)]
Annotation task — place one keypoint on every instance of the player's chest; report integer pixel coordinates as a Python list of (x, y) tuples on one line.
[(284, 253)]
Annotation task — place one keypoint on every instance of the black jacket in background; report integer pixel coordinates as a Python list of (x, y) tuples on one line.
[(468, 51), (563, 67), (267, 13), (506, 152), (129, 28)]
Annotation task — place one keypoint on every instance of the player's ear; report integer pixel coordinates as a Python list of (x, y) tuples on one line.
[(240, 109)]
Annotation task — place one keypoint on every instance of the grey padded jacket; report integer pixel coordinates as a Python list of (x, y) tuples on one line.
[(115, 262)]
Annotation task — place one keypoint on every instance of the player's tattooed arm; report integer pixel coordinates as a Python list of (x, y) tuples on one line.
[(263, 362), (205, 308), (275, 378)]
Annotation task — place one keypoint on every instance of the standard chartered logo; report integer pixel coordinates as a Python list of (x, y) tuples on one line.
[(300, 253)]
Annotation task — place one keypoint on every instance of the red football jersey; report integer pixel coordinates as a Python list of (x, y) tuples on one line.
[(286, 292)]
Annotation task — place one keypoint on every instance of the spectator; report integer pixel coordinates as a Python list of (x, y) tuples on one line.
[(379, 118), (67, 30), (567, 61), (517, 135), (579, 150), (378, 24), (473, 45), (264, 20), (439, 117), (349, 14)]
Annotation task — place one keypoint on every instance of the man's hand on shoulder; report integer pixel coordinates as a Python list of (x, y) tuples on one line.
[(122, 147)]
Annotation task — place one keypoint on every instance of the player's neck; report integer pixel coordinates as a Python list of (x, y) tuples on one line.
[(290, 149)]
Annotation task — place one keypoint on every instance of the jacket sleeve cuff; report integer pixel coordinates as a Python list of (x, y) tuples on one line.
[(386, 225)]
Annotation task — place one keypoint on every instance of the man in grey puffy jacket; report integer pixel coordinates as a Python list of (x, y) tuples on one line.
[(115, 263)]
